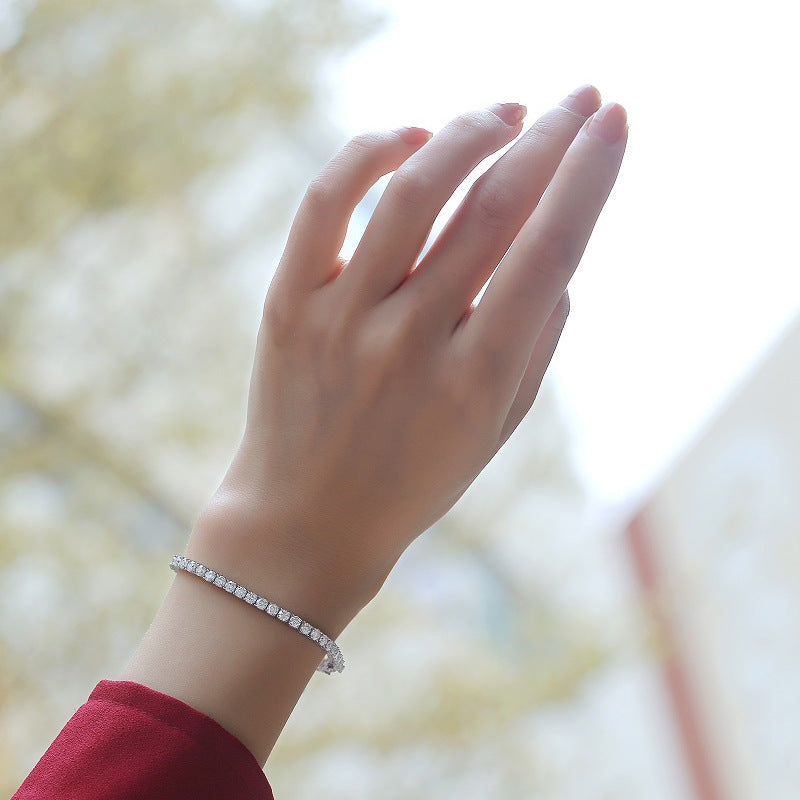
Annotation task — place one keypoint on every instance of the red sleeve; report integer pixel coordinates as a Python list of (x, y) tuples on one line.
[(130, 742)]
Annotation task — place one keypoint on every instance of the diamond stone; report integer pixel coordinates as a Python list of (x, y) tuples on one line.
[(229, 586), (191, 565), (240, 591), (295, 621), (184, 562), (315, 634), (200, 570), (273, 609), (305, 628), (261, 603), (210, 575), (220, 580), (250, 597), (283, 615)]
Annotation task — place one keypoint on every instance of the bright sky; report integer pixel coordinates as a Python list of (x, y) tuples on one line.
[(692, 272)]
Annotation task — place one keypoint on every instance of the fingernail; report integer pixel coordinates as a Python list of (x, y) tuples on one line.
[(511, 113), (609, 123), (584, 100), (414, 135)]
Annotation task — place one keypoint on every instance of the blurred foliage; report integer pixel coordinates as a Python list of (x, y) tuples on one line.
[(114, 102), (151, 157), (124, 350)]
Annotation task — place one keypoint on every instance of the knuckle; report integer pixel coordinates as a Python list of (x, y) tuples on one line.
[(560, 317), (406, 333), (276, 322), (477, 372), (548, 126), (320, 192), (395, 339), (365, 143), (409, 187), (495, 205), (477, 123), (554, 252), (564, 306), (472, 402)]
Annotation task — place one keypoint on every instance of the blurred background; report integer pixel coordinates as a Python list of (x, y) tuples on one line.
[(618, 589)]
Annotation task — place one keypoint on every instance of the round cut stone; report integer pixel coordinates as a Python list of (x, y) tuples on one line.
[(200, 570), (240, 591), (250, 597), (261, 603), (295, 621), (273, 609), (220, 580), (315, 634), (191, 565), (323, 640), (229, 586), (210, 575), (283, 615), (305, 628)]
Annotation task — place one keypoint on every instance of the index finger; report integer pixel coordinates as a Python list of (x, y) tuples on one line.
[(534, 273)]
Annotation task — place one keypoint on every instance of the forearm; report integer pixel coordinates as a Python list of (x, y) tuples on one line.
[(230, 661)]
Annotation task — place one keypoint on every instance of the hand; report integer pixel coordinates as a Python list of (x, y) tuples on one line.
[(379, 390)]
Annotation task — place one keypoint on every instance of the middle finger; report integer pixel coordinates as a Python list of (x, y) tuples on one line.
[(491, 215)]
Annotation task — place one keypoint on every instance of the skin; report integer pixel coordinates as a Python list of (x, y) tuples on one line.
[(379, 390)]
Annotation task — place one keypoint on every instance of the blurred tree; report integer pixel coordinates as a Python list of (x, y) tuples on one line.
[(151, 155)]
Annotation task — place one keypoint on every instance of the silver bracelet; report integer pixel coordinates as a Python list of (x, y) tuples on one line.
[(332, 661)]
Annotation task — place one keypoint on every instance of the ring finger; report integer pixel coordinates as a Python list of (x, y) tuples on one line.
[(483, 227)]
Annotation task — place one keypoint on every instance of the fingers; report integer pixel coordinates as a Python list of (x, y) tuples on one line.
[(537, 366), (320, 225), (532, 276), (481, 230), (415, 195)]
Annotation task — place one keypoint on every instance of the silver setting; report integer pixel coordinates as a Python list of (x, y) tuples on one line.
[(332, 661)]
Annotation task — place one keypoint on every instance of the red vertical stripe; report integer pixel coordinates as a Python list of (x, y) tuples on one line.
[(694, 742)]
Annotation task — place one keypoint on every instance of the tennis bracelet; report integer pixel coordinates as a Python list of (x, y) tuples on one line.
[(332, 661)]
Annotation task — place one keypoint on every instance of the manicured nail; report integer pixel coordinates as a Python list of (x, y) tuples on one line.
[(609, 123), (584, 100), (414, 135), (511, 113)]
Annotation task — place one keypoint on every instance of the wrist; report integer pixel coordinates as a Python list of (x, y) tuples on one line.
[(237, 666), (263, 551)]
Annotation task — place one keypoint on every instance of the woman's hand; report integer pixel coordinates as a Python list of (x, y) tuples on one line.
[(379, 390)]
